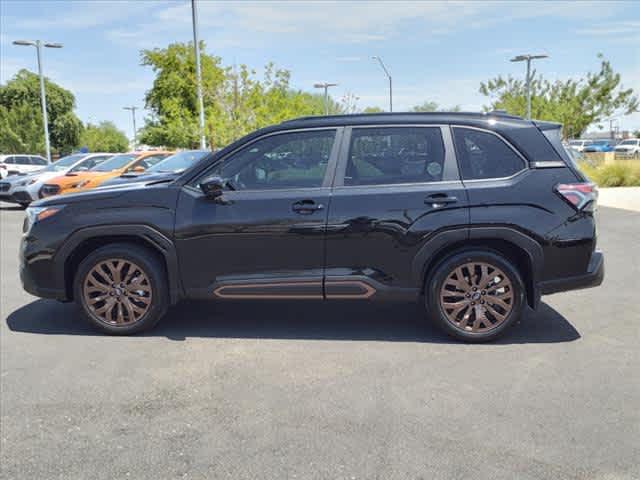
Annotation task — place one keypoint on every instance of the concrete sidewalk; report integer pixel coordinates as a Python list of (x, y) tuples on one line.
[(627, 198)]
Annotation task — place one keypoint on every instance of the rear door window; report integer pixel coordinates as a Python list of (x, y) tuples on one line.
[(482, 155), (393, 155)]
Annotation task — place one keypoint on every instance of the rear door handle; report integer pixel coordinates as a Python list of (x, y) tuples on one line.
[(306, 207), (439, 200)]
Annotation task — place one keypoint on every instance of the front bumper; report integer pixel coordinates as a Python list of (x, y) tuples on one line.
[(38, 271), (593, 278)]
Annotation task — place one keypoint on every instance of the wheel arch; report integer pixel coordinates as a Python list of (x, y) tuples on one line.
[(82, 242), (523, 251)]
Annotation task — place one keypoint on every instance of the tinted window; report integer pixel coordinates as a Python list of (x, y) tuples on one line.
[(114, 163), (179, 162), (289, 160), (23, 160), (38, 161), (484, 155), (93, 161), (148, 162), (395, 155), (10, 160)]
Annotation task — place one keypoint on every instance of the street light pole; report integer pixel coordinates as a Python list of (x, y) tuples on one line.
[(43, 97), (196, 45), (326, 86), (386, 72), (527, 58), (135, 133)]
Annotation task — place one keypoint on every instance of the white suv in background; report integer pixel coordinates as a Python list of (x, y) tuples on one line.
[(629, 148), (24, 189), (578, 145), (20, 164)]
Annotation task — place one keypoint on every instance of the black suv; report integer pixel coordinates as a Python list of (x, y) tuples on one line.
[(475, 215)]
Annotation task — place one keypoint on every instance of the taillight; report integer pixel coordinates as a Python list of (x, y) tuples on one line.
[(581, 196)]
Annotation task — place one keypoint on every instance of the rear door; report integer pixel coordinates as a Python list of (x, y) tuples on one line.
[(396, 187)]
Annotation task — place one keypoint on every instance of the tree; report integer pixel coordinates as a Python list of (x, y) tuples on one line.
[(236, 100), (20, 114), (372, 110), (636, 134), (104, 137), (429, 106), (576, 104)]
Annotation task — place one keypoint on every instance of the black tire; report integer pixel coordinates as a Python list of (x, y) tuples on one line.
[(149, 264), (438, 314)]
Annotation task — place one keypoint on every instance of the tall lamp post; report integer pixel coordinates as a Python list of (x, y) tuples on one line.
[(527, 58), (135, 133), (386, 72), (196, 46), (43, 98), (326, 86)]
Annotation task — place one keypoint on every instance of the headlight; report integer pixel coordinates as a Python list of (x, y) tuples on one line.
[(37, 214), (26, 183)]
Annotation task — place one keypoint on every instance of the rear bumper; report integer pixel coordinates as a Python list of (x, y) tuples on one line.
[(593, 278)]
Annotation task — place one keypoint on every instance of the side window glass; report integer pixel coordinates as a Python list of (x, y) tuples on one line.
[(484, 155), (10, 160), (39, 161), (23, 160), (390, 155), (281, 161)]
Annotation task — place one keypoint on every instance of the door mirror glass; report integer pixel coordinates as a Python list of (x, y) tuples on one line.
[(213, 186)]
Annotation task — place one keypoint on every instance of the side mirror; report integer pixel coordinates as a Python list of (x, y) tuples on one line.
[(212, 187), (138, 169)]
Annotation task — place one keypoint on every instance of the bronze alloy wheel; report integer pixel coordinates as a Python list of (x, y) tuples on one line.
[(117, 292), (477, 297)]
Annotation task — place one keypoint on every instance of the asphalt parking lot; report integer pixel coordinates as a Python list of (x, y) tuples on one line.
[(325, 391)]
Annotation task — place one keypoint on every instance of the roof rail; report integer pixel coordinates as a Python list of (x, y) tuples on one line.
[(503, 113)]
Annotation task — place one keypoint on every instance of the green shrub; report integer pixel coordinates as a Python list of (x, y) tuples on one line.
[(625, 173)]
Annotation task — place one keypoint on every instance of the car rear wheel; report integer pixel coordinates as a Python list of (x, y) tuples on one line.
[(121, 289), (475, 295)]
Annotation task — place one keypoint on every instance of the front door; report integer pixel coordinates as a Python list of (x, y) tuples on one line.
[(265, 237)]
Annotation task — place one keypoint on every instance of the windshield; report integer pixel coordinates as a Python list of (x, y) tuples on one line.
[(629, 142), (114, 163), (179, 162), (601, 142), (65, 162)]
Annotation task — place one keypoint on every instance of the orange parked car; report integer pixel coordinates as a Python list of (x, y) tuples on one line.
[(113, 167)]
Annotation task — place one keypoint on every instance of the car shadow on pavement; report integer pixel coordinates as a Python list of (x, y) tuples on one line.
[(279, 320)]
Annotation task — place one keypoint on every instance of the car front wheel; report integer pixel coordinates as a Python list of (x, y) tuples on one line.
[(475, 295), (121, 289)]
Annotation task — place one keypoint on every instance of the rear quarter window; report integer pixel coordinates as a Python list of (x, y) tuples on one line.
[(483, 155)]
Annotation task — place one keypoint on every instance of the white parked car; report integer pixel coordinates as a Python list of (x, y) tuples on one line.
[(17, 164), (629, 148), (578, 145), (24, 189)]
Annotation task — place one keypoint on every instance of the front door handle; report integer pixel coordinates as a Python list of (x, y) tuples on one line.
[(439, 200), (306, 207)]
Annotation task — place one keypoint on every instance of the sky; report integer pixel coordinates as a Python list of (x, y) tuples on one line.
[(436, 51)]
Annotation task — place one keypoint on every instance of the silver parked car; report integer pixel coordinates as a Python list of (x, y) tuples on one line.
[(21, 164)]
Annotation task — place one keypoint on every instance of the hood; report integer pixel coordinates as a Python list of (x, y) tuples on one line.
[(129, 179), (98, 193), (14, 179)]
